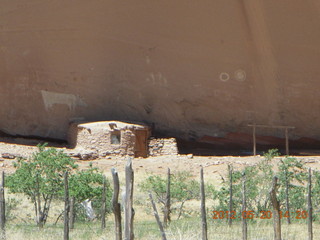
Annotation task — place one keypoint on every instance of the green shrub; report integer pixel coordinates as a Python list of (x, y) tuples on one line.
[(316, 194), (258, 184), (294, 172), (182, 188), (88, 184), (40, 178)]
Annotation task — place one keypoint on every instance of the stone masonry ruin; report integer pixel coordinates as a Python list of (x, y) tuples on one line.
[(91, 140), (162, 146), (109, 138)]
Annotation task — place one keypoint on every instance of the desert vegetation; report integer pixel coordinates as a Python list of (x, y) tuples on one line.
[(34, 200)]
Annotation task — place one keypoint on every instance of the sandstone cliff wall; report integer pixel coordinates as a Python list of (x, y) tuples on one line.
[(192, 68)]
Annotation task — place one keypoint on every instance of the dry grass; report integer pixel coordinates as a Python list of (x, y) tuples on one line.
[(187, 229), (145, 228)]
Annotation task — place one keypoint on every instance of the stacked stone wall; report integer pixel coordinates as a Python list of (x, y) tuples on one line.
[(162, 146), (97, 141)]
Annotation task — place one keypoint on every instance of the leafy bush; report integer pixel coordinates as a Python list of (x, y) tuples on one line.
[(88, 185), (259, 181), (294, 172), (41, 178), (182, 188), (316, 194), (222, 195)]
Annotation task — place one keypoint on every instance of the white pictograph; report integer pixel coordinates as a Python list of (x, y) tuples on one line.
[(240, 75), (224, 76)]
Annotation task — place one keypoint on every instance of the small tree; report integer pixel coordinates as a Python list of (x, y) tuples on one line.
[(182, 188), (292, 177), (293, 173), (88, 185), (41, 178), (316, 194), (222, 194), (258, 181)]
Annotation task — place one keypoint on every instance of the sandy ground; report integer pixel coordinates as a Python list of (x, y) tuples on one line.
[(214, 167)]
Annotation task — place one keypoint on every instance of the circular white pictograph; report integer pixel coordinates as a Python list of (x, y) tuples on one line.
[(240, 75), (224, 76)]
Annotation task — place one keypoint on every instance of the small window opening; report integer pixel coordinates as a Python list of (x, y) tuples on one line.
[(115, 137)]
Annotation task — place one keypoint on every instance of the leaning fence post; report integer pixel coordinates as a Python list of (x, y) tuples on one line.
[(116, 205), (2, 208), (244, 208), (276, 209), (66, 207), (166, 215), (156, 215), (230, 194), (71, 215), (203, 208), (103, 204), (129, 212), (310, 233)]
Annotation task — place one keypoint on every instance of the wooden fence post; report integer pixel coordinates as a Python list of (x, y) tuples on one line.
[(310, 232), (156, 215), (276, 209), (254, 140), (203, 208), (2, 207), (287, 195), (287, 141), (167, 205), (244, 209), (103, 206), (66, 207), (230, 194), (116, 205), (71, 214), (129, 211)]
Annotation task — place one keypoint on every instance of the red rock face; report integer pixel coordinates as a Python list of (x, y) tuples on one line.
[(192, 68)]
